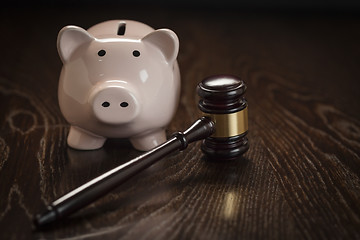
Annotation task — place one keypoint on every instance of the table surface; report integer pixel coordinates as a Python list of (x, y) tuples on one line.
[(299, 179)]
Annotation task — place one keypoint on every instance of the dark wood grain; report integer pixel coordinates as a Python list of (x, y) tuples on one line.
[(300, 178)]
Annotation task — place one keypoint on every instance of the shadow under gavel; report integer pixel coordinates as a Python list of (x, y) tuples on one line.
[(224, 128)]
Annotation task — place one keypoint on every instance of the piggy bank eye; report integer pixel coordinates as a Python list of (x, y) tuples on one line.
[(136, 53), (105, 104), (101, 53)]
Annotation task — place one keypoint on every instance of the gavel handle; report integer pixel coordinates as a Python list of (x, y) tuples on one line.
[(98, 187)]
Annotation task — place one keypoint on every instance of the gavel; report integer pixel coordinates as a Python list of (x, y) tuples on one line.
[(223, 129)]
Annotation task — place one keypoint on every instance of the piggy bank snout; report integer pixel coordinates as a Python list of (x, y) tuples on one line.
[(115, 104)]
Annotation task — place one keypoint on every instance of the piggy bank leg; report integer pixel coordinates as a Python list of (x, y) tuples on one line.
[(145, 142), (83, 140)]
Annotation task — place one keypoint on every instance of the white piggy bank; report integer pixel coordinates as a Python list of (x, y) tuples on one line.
[(120, 79)]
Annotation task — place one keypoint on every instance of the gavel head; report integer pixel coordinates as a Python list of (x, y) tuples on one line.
[(222, 101)]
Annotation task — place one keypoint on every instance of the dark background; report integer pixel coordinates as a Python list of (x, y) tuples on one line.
[(203, 3)]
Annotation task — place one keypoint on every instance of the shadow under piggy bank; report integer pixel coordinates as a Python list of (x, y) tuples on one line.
[(114, 153), (83, 166)]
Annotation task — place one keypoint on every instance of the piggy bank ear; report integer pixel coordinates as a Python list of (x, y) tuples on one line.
[(69, 39), (166, 40)]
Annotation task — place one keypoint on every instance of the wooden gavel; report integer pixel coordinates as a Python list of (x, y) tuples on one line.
[(223, 127)]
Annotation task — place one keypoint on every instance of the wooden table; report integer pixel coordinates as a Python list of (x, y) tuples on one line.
[(300, 179)]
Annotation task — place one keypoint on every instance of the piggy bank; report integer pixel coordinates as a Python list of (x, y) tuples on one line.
[(120, 79)]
